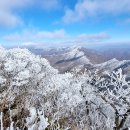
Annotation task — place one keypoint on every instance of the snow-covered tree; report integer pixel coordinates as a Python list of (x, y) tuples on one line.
[(34, 96), (109, 96), (21, 74)]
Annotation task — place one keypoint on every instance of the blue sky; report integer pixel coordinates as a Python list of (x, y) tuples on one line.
[(64, 22)]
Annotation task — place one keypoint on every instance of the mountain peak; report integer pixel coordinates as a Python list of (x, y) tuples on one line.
[(74, 47)]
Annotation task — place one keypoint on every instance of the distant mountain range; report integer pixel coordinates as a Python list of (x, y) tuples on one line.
[(67, 58), (105, 58)]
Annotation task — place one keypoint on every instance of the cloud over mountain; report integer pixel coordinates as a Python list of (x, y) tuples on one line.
[(52, 38)]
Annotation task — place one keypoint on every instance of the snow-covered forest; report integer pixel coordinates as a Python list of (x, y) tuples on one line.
[(34, 96)]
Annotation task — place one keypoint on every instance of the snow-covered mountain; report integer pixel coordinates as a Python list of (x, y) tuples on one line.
[(34, 96), (114, 65), (67, 58)]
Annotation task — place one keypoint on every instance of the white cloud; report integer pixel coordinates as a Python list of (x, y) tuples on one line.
[(8, 9), (92, 37), (27, 36), (53, 38), (88, 8), (7, 15)]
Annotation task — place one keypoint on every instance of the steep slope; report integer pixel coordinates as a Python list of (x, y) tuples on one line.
[(108, 65), (114, 65), (68, 58), (94, 56)]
